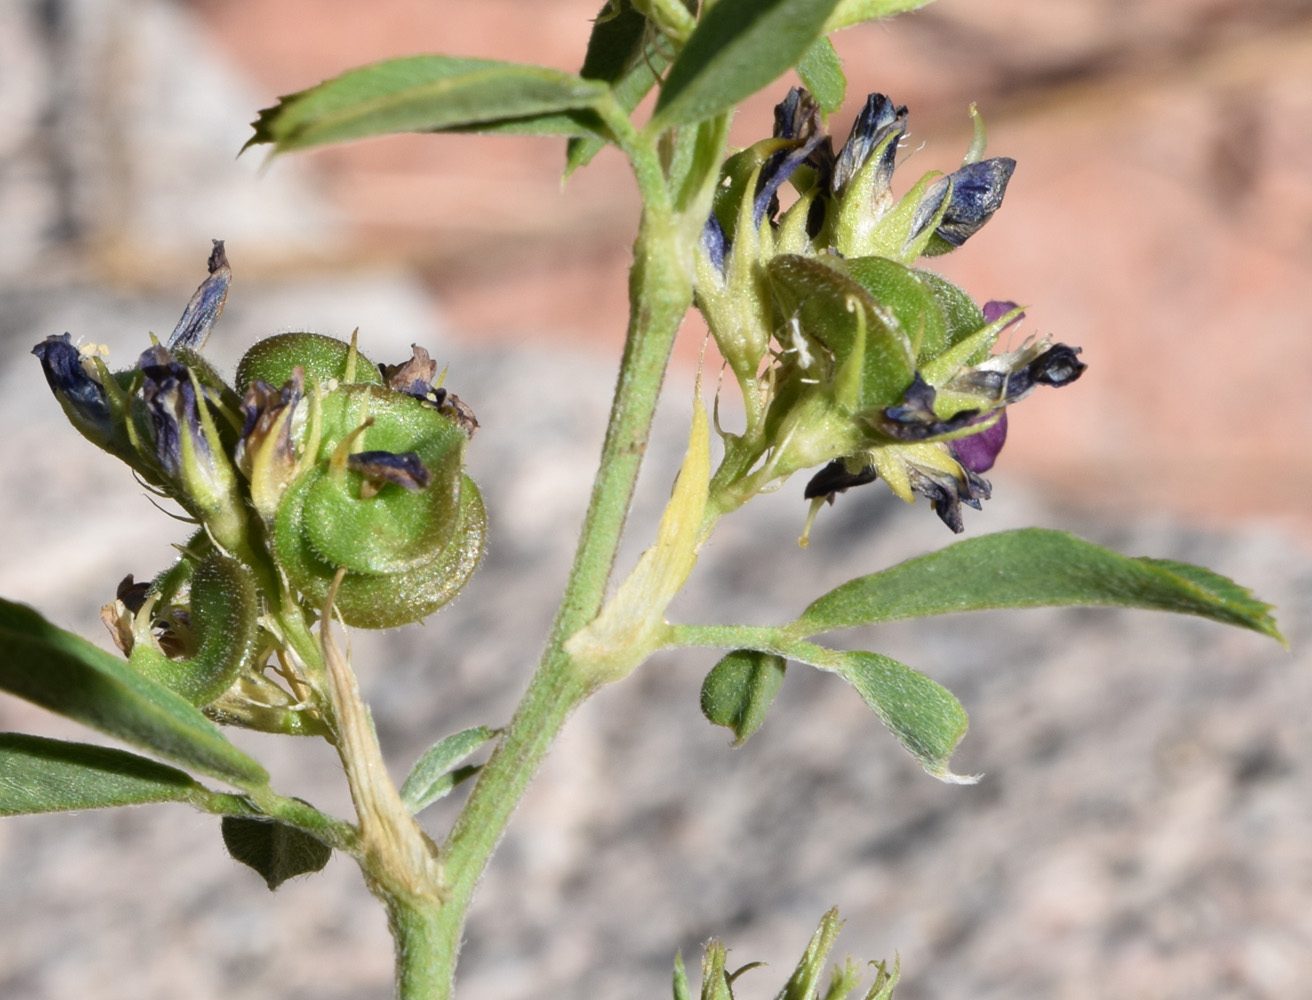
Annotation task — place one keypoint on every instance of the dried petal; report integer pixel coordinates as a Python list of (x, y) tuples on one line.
[(977, 192), (382, 467), (875, 122), (206, 305), (796, 119), (414, 377), (835, 478)]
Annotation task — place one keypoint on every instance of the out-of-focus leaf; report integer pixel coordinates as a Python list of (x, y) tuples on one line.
[(43, 775), (1033, 567), (850, 12), (436, 773), (619, 54), (68, 675), (737, 48), (822, 72), (431, 93), (739, 689), (275, 850)]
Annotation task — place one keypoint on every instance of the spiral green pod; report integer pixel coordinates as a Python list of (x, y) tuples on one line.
[(221, 637), (407, 544)]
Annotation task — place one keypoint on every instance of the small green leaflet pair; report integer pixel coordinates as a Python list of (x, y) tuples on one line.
[(1033, 567)]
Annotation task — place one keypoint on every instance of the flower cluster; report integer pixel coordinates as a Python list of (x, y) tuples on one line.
[(850, 358), (315, 469)]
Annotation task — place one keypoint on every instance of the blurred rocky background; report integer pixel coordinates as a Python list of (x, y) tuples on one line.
[(1142, 829)]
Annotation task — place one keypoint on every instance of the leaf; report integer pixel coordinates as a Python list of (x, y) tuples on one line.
[(850, 12), (435, 773), (619, 55), (681, 989), (275, 850), (805, 980), (822, 72), (927, 720), (68, 675), (738, 48), (42, 775), (430, 93), (739, 689), (1033, 567)]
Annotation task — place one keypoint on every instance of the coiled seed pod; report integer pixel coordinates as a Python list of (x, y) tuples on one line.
[(376, 486), (211, 634)]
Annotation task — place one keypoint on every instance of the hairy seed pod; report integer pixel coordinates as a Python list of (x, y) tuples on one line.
[(377, 487), (211, 635), (323, 359)]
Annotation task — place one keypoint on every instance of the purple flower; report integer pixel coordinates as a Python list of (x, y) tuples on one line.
[(977, 452)]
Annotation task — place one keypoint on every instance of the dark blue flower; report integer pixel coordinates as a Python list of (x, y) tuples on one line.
[(170, 398), (82, 396), (879, 119), (796, 119), (977, 192)]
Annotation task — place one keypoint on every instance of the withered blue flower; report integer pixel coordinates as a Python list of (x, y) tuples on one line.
[(170, 398), (379, 468), (977, 192), (927, 455), (82, 396), (796, 119), (206, 304), (878, 119)]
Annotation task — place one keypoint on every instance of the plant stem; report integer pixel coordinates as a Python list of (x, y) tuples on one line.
[(660, 292), (417, 932)]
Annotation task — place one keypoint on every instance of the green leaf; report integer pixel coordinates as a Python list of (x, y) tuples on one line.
[(927, 720), (435, 773), (42, 775), (275, 850), (681, 989), (738, 48), (618, 54), (68, 675), (431, 93), (850, 12), (739, 689), (822, 72), (1033, 567)]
